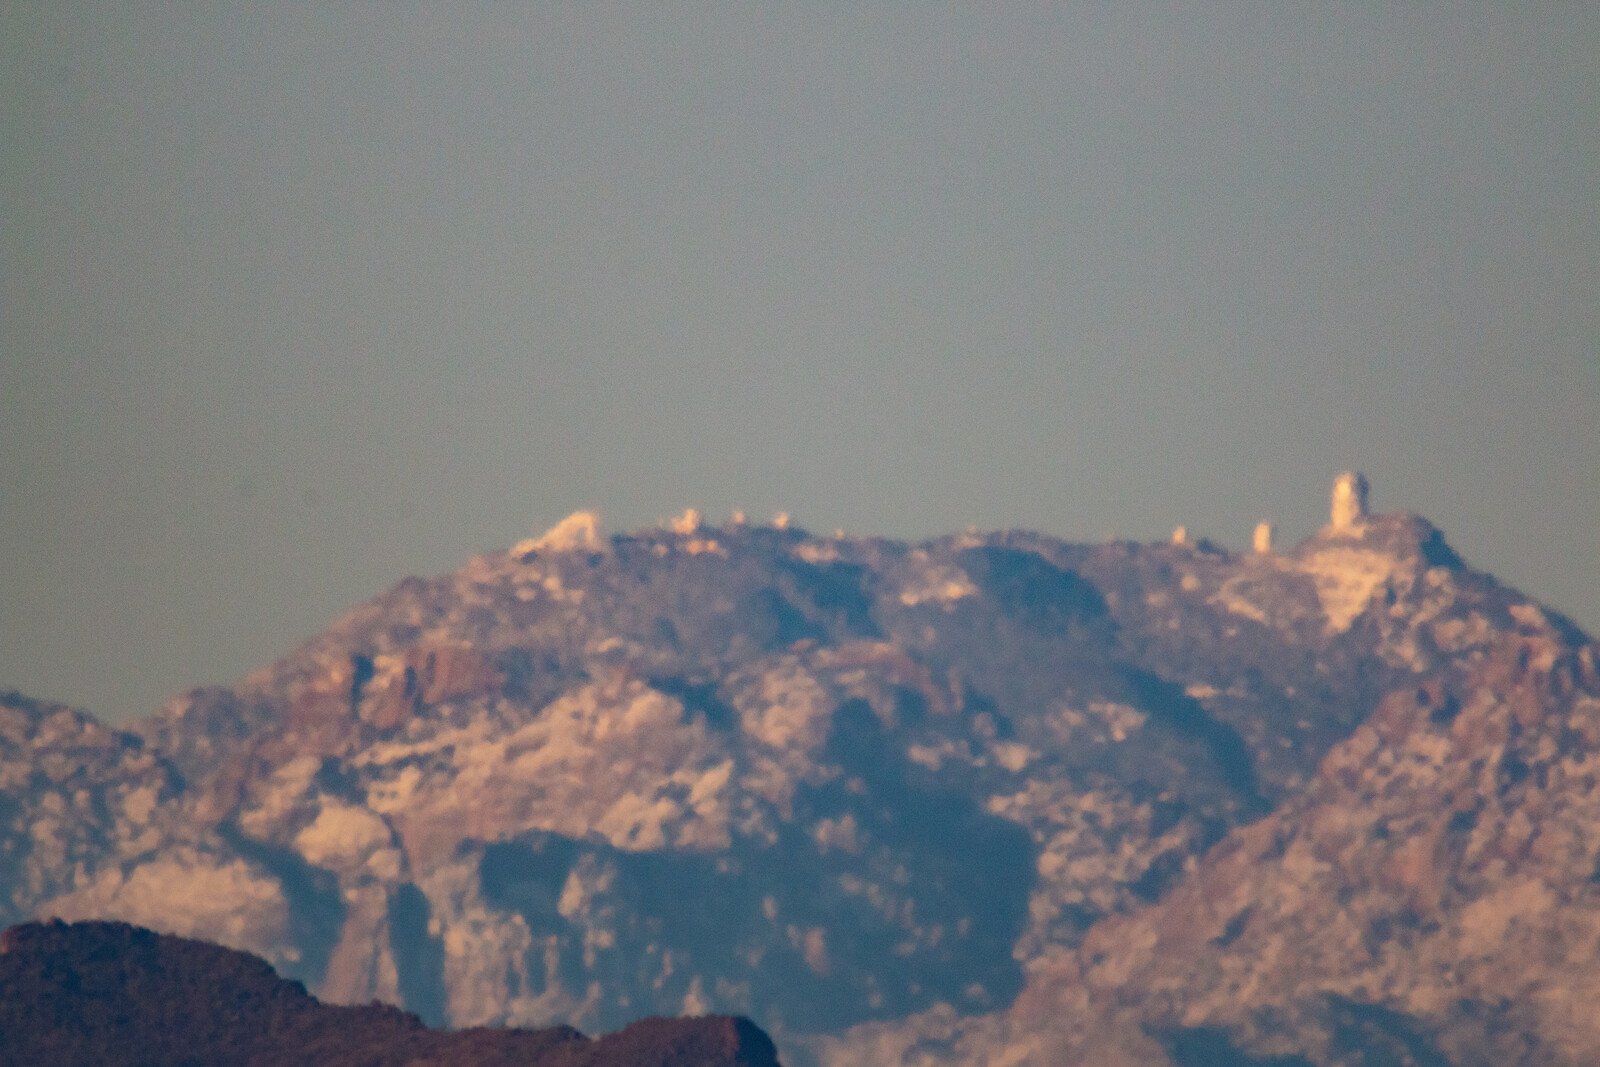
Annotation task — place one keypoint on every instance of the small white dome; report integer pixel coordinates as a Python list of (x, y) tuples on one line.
[(580, 530)]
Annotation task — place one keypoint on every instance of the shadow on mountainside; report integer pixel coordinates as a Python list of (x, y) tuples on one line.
[(315, 906), (1361, 1035), (897, 899)]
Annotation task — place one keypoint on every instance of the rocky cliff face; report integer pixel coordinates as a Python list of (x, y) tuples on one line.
[(989, 798), (1430, 897)]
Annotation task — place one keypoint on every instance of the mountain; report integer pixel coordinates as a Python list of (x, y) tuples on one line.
[(989, 798), (101, 994)]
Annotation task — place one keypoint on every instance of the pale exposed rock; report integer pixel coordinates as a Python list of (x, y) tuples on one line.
[(816, 551), (346, 836), (1013, 756), (618, 760), (813, 946), (696, 546), (694, 1002), (138, 803), (1346, 579), (362, 967), (482, 945), (191, 893), (935, 583), (837, 833), (784, 707)]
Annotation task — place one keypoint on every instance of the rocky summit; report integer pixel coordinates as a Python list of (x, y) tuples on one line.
[(986, 799)]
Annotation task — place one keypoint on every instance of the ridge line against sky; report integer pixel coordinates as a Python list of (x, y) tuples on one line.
[(298, 300)]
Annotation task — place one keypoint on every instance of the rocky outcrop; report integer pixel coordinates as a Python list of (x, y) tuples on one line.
[(986, 798)]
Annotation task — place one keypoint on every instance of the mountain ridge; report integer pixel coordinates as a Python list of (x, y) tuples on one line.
[(113, 995), (925, 784)]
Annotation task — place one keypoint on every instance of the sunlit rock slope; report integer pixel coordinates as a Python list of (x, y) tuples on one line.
[(983, 799)]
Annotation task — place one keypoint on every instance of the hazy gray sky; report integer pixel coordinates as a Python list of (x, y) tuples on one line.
[(296, 300)]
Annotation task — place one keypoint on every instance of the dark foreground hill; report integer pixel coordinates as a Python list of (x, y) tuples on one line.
[(98, 994), (987, 798)]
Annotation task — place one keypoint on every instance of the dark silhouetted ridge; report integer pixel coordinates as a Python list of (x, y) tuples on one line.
[(103, 994)]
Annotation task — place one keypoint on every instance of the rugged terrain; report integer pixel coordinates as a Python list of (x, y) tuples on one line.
[(99, 994), (991, 798)]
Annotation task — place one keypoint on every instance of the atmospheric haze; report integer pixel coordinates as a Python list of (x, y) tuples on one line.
[(298, 300)]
